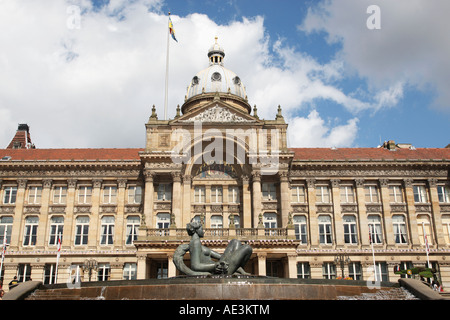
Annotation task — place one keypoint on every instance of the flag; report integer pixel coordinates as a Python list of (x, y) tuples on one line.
[(4, 247), (172, 30)]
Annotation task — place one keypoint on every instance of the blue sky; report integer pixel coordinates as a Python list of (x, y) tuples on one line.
[(339, 83)]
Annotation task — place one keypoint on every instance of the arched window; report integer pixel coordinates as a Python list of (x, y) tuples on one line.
[(107, 237), (30, 235)]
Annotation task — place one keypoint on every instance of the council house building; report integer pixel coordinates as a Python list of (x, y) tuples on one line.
[(306, 212)]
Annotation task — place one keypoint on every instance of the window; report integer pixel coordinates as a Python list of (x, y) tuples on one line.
[(23, 272), (381, 271), (325, 230), (371, 194), (10, 195), (161, 270), (164, 192), (300, 229), (109, 194), (6, 225), (395, 194), (103, 271), (163, 223), (375, 229), (399, 229), (424, 228), (84, 195), (56, 230), (107, 237), (354, 270), (270, 222), (133, 223), (443, 194), (298, 194), (199, 194), (233, 194), (323, 194), (269, 191), (445, 224), (50, 273), (30, 235), (34, 195), (216, 194), (350, 235), (347, 194), (420, 194), (81, 231), (217, 223), (406, 265), (329, 270), (59, 195), (303, 270), (75, 273), (130, 271), (134, 194)]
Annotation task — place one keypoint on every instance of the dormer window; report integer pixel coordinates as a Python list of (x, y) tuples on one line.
[(216, 76), (195, 81)]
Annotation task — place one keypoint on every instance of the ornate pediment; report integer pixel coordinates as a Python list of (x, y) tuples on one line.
[(217, 114)]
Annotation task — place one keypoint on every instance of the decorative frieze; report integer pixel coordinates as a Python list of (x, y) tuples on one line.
[(349, 207), (299, 208), (425, 207), (108, 209), (324, 208), (57, 209), (7, 209), (398, 207), (374, 208), (82, 209)]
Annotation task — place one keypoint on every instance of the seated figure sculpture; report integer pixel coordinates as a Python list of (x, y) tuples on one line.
[(231, 261)]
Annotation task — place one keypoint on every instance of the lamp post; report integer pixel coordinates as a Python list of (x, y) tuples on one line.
[(342, 259), (89, 265)]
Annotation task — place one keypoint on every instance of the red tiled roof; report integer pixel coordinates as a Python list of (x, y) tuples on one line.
[(70, 154), (370, 154)]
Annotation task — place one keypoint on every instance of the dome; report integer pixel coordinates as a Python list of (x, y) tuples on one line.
[(216, 78)]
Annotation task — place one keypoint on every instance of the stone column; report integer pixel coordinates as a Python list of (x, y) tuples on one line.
[(42, 240), (67, 236), (186, 214), (292, 265), (116, 271), (338, 224), (246, 219), (387, 216), (19, 222), (176, 197), (313, 223), (438, 231), (256, 196), (262, 263), (119, 219), (10, 270), (171, 269), (37, 271), (285, 196), (141, 266), (412, 220), (93, 239), (363, 222), (148, 199)]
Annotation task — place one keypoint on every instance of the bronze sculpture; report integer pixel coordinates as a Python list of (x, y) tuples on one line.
[(231, 261)]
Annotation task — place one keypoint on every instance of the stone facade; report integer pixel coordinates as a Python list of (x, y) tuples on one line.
[(301, 209)]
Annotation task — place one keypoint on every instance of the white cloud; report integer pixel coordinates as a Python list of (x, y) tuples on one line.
[(411, 48), (312, 131)]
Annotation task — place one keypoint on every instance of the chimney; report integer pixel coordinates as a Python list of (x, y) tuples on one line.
[(22, 139)]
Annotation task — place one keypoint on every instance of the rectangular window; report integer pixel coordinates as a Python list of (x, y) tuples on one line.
[(56, 230), (354, 270), (347, 194), (85, 195), (134, 194), (303, 270), (50, 273), (420, 194), (298, 194), (104, 271), (395, 194), (34, 195), (233, 195), (59, 195), (216, 194), (371, 194), (10, 194), (325, 233), (329, 270), (300, 229), (133, 224), (399, 224), (107, 236), (375, 229), (110, 194), (381, 271), (23, 272), (130, 271), (269, 191), (443, 194), (350, 235), (30, 234), (165, 192), (323, 194), (199, 194), (6, 225), (81, 231)]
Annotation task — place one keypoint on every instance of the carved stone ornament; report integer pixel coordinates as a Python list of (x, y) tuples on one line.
[(217, 114)]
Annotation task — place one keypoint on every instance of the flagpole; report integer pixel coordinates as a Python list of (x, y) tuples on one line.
[(426, 243), (57, 257), (373, 254), (3, 252), (167, 71)]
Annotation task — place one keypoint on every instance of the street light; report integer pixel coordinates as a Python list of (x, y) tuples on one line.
[(89, 265), (342, 259)]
